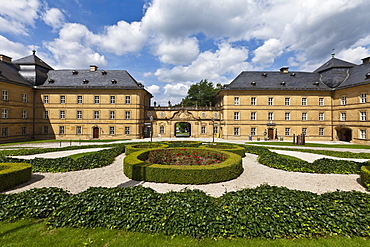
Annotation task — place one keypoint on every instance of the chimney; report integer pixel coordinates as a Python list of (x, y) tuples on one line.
[(284, 69), (5, 58), (93, 68), (366, 60)]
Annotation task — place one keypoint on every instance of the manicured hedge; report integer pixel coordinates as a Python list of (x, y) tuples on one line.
[(137, 169), (239, 150), (12, 174), (137, 147), (365, 176), (173, 144)]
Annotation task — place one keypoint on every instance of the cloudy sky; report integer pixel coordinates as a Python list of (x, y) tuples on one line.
[(170, 44)]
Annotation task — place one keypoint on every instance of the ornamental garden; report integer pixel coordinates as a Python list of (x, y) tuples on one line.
[(263, 212)]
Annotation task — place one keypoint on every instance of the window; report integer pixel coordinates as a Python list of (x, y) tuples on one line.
[(236, 131), (127, 130), (4, 131), (253, 116), (96, 115), (215, 130), (236, 115), (24, 130), (321, 131), (287, 131), (128, 100), (5, 113), (62, 99), (304, 116), (162, 114), (363, 116), (5, 95), (363, 98), (321, 116), (112, 115), (343, 116), (304, 131), (112, 99), (271, 101), (46, 99), (304, 101), (362, 134), (270, 116), (216, 115), (62, 114), (79, 114), (253, 101), (61, 130), (96, 99), (45, 130), (161, 129), (46, 114), (203, 130), (24, 114), (287, 116), (321, 101), (111, 130), (253, 131), (78, 130), (203, 114), (24, 98), (127, 115), (236, 101), (343, 100), (287, 101), (79, 99)]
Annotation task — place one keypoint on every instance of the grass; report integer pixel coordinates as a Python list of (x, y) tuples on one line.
[(36, 233), (46, 141), (351, 146), (77, 156)]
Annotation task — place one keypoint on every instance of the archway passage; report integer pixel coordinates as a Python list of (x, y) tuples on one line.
[(96, 132), (344, 134), (182, 129)]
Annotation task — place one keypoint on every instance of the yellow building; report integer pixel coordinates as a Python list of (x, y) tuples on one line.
[(39, 102)]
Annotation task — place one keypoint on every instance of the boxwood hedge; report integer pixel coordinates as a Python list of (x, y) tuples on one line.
[(140, 146), (239, 150), (12, 174), (173, 144), (137, 169), (365, 176)]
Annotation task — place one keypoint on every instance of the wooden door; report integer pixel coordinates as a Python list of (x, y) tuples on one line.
[(271, 134), (95, 132)]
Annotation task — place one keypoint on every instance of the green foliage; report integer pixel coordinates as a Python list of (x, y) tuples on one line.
[(174, 144), (64, 164), (139, 146), (137, 169), (365, 176), (12, 174), (202, 93), (239, 150)]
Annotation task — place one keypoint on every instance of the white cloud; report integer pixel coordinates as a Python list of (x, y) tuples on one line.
[(17, 15), (54, 18), (178, 89), (267, 53), (354, 55), (13, 49), (154, 89)]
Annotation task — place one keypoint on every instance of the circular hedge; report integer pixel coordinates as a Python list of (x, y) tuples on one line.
[(183, 143), (136, 147), (12, 174), (137, 169), (226, 147)]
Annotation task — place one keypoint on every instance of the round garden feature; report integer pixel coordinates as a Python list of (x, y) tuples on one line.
[(226, 147), (173, 144), (140, 146), (183, 165)]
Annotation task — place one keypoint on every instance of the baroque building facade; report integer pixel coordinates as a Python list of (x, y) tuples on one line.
[(38, 102)]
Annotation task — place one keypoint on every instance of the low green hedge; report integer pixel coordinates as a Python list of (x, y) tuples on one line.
[(174, 144), (137, 169), (227, 147), (365, 175), (12, 174), (137, 147)]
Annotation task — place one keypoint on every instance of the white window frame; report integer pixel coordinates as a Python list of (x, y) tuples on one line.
[(287, 131), (321, 116), (304, 116), (203, 130), (46, 115), (24, 97), (236, 131), (362, 134), (321, 102), (4, 131), (62, 130), (287, 101), (78, 130), (46, 99), (79, 99), (62, 99), (24, 114), (253, 101), (5, 95), (304, 101), (127, 130), (236, 101), (62, 114), (96, 115), (96, 99), (270, 116), (363, 97), (79, 115), (127, 115), (253, 131), (363, 116), (236, 115), (112, 130), (304, 131), (343, 116), (287, 116), (215, 130), (343, 100), (5, 113), (112, 114), (161, 129), (253, 116), (270, 101), (112, 99), (128, 100), (321, 131)]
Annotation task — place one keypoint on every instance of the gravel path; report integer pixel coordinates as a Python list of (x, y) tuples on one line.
[(254, 175)]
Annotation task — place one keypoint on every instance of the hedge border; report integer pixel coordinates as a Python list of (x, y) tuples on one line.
[(14, 174), (365, 176), (137, 169), (136, 147), (239, 150), (186, 143)]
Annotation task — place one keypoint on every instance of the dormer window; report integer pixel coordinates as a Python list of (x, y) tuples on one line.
[(85, 81), (253, 83), (282, 83), (367, 75), (264, 74), (316, 83), (74, 72), (51, 81), (114, 81), (292, 74), (104, 72)]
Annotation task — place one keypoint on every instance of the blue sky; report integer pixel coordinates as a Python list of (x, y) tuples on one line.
[(170, 44)]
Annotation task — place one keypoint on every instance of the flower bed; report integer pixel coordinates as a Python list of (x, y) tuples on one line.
[(227, 147), (137, 147), (228, 166), (12, 174)]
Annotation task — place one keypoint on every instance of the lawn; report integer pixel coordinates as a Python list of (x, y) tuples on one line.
[(36, 233), (272, 143)]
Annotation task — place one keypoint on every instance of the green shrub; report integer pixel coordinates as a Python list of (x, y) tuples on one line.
[(174, 144), (12, 174), (139, 146), (239, 150), (137, 169), (365, 176)]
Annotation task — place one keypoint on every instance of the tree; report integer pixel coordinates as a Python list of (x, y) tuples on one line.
[(202, 93)]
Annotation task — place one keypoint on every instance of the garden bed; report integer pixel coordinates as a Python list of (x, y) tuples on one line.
[(12, 174)]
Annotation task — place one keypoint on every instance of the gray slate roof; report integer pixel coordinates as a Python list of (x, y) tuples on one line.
[(9, 73), (357, 76), (32, 60), (334, 63)]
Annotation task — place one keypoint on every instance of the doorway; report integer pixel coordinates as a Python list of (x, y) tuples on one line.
[(95, 132), (271, 134), (344, 134), (182, 129)]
